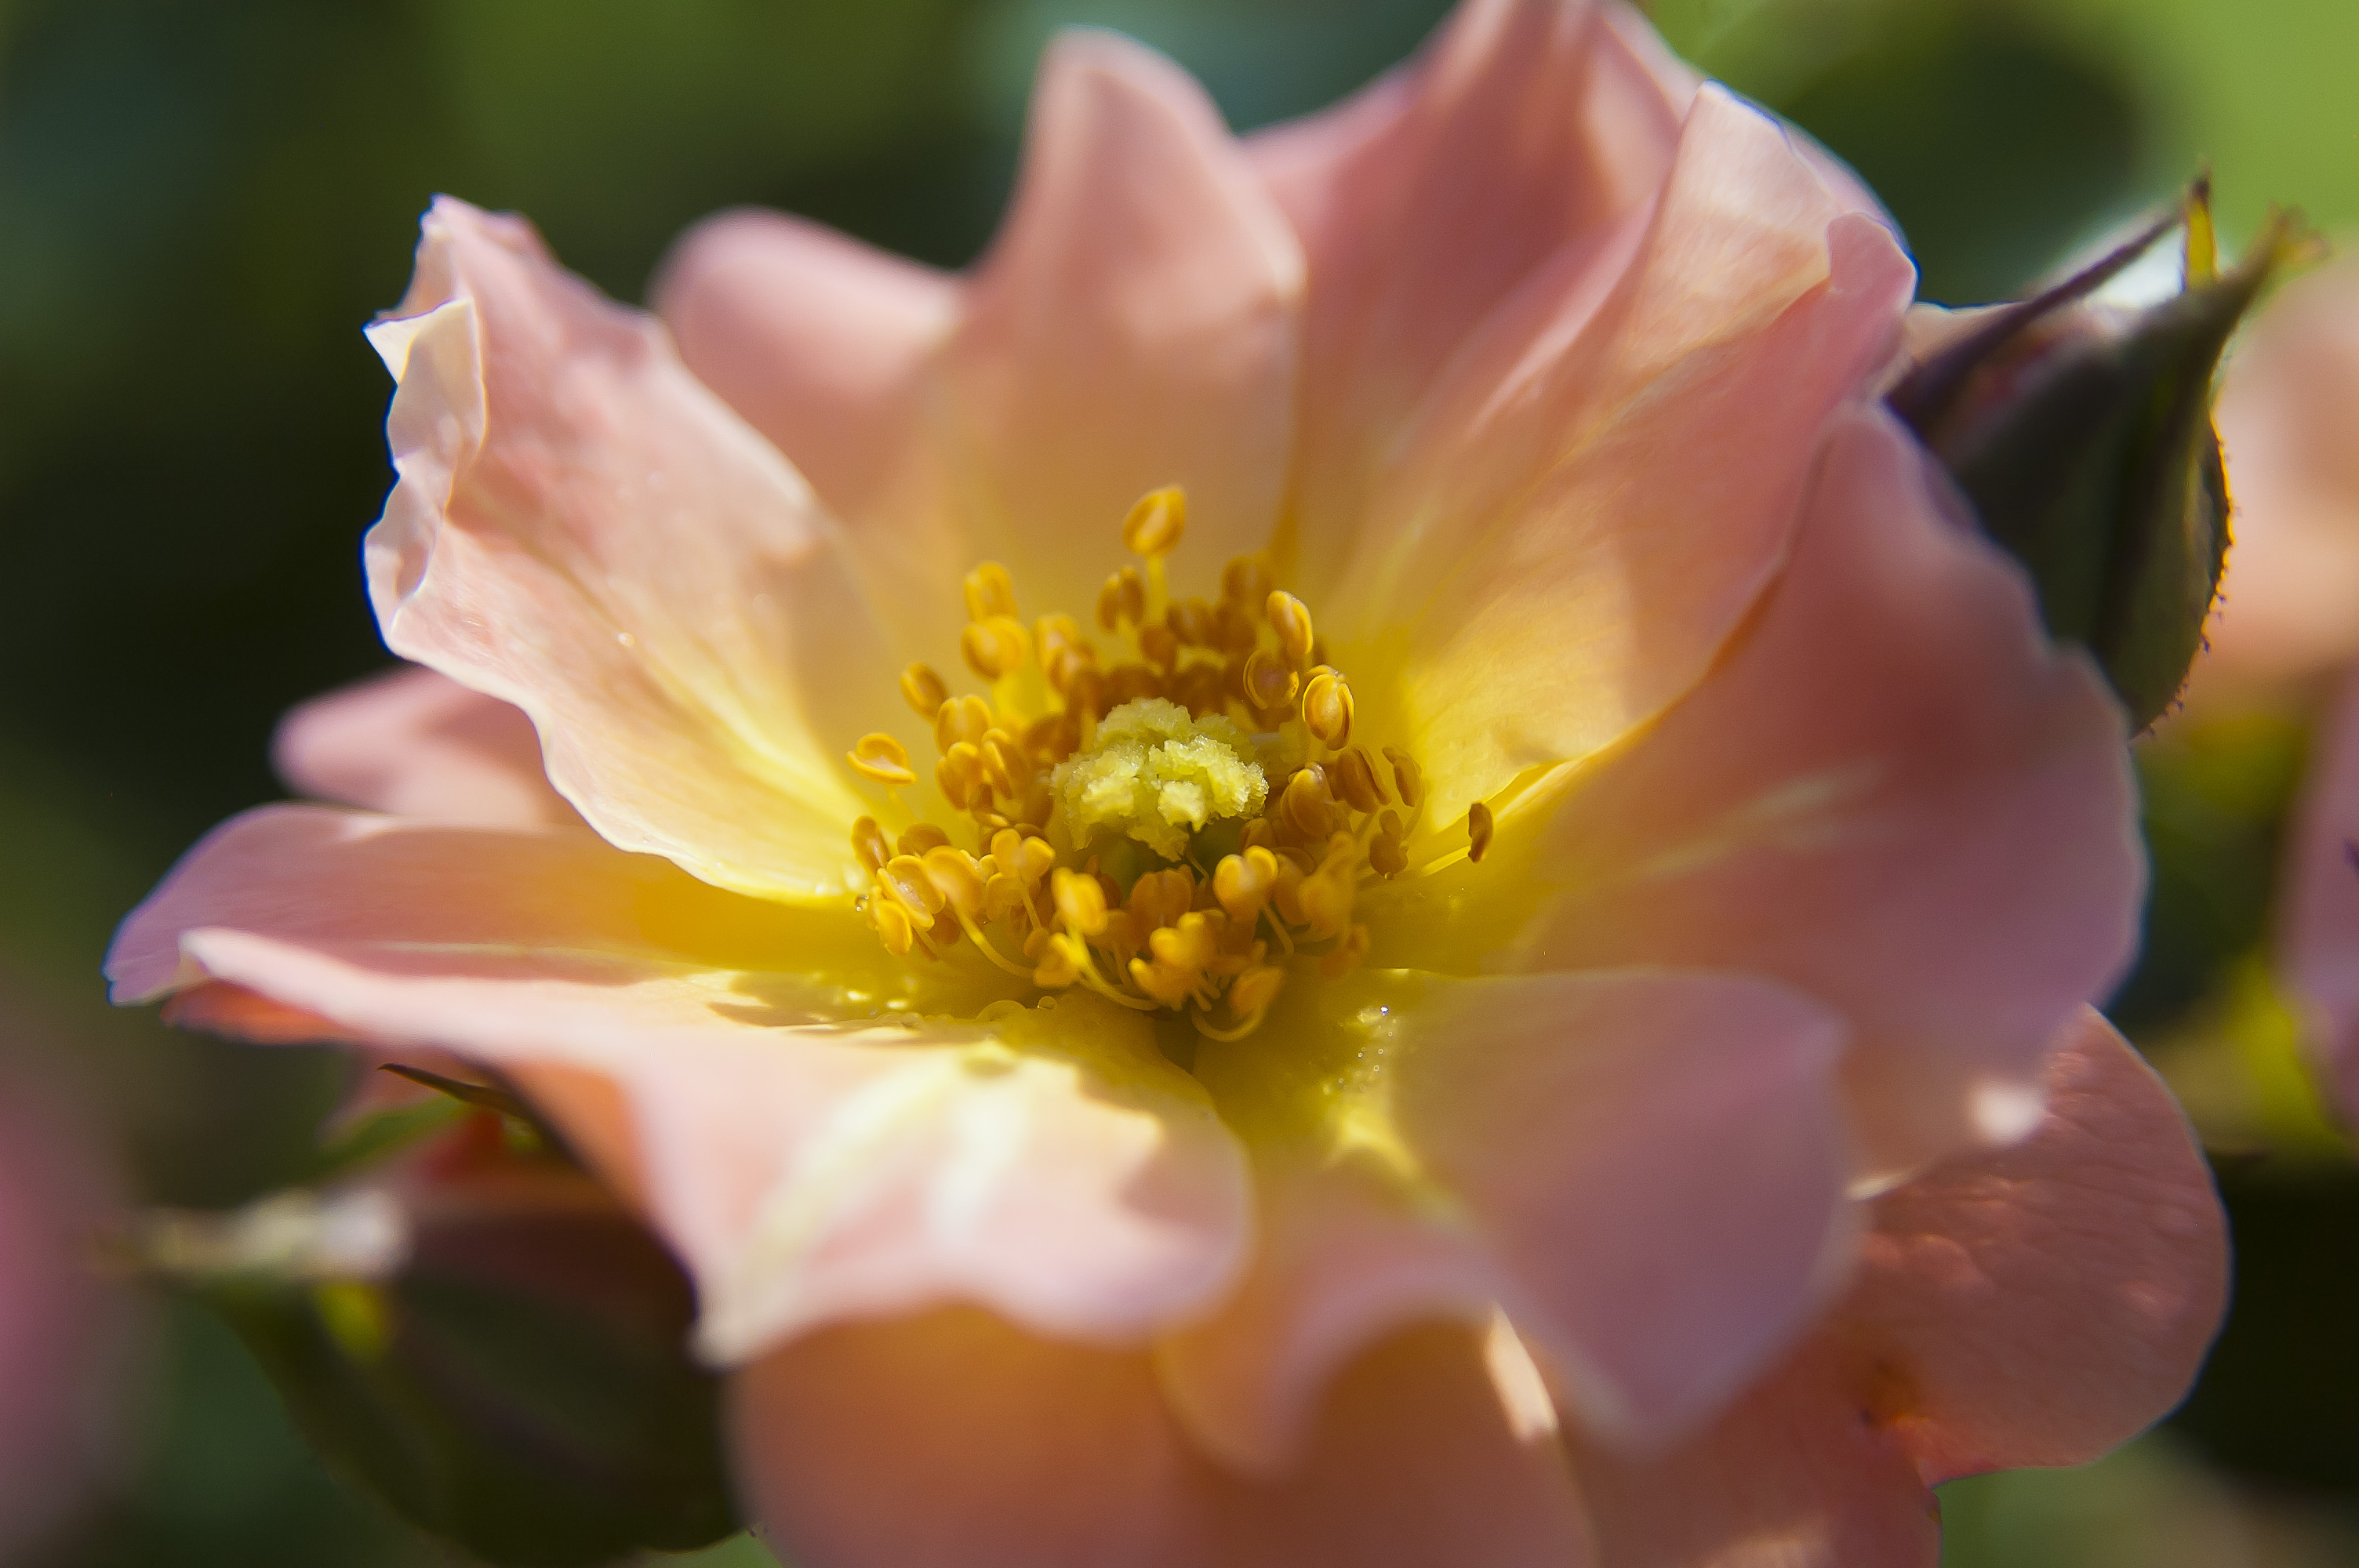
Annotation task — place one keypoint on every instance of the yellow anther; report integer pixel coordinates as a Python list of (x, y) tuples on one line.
[(869, 843), (964, 718), (995, 647), (959, 775), (1387, 853), (1245, 581), (1122, 936), (1026, 859), (904, 877), (1191, 944), (1269, 681), (1478, 830), (1054, 738), (1260, 833), (1156, 524), (1158, 898), (1243, 883), (1002, 895), (1005, 766), (1237, 628), (881, 758), (1306, 806), (989, 592), (1326, 899), (1253, 991), (1061, 961), (892, 926), (923, 690), (1160, 645), (1291, 619), (1354, 777), (1167, 983), (1081, 901), (1347, 955), (1293, 871), (920, 837), (1192, 622), (1327, 709), (957, 876), (1123, 601), (1409, 780)]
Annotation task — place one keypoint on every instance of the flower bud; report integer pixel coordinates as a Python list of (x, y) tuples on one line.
[(2081, 431), (478, 1332)]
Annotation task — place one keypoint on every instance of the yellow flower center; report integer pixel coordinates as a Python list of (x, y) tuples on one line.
[(1176, 827)]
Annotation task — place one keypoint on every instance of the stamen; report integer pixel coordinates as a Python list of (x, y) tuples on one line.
[(1354, 778), (1327, 709), (1291, 619), (1123, 601), (870, 845), (1478, 830), (990, 592), (1155, 525), (1407, 778), (967, 718), (995, 647), (923, 690), (881, 758), (1244, 581), (1269, 681)]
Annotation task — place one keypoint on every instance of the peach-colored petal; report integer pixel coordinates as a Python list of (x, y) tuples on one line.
[(1647, 1169), (1791, 1477), (1894, 795), (2032, 1305), (816, 340), (2288, 606), (1525, 126), (2041, 1303), (417, 743), (1612, 470), (1132, 325), (951, 1441), (810, 1154), (582, 529), (2318, 939)]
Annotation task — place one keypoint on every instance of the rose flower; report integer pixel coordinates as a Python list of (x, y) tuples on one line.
[(1346, 863)]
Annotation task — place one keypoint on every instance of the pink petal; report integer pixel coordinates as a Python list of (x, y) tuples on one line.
[(2318, 939), (417, 743), (1612, 470), (2042, 1304), (951, 1441), (2287, 403), (810, 1152), (1647, 1169), (1894, 795), (2035, 1305), (1791, 1477), (1525, 127), (1132, 325), (582, 529), (818, 341)]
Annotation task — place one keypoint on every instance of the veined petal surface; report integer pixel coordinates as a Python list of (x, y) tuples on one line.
[(739, 1065), (1894, 795), (582, 529), (1612, 472)]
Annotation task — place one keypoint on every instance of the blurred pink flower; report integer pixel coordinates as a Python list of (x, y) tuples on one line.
[(1528, 1221), (64, 1332), (2288, 616)]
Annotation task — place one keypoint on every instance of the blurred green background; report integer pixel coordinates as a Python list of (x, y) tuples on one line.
[(200, 200)]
